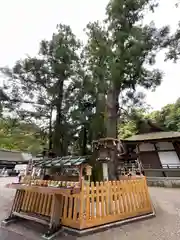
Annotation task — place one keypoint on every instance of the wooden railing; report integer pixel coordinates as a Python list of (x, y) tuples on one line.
[(35, 202), (97, 204), (166, 166), (107, 202), (171, 165)]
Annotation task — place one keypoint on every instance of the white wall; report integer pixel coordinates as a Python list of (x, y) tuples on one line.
[(145, 147), (170, 158), (165, 146)]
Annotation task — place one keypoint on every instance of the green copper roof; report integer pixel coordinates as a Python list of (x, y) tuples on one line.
[(66, 161)]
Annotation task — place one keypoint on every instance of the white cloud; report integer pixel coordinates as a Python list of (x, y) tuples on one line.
[(24, 23)]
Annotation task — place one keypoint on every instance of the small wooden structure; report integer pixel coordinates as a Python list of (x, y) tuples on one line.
[(79, 206), (40, 204), (67, 168), (41, 200), (79, 210)]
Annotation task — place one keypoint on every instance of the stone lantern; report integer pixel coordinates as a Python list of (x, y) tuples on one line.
[(106, 149)]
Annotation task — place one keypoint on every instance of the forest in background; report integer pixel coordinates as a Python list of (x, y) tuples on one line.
[(167, 118), (27, 137), (71, 94)]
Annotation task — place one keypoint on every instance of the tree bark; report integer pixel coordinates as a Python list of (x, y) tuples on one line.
[(84, 141), (50, 129), (99, 131), (112, 110), (57, 138), (111, 128)]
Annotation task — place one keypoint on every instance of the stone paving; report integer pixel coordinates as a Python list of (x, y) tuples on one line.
[(9, 235), (6, 197), (165, 226)]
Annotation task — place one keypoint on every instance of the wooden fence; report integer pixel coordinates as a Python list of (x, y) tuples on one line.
[(107, 202), (97, 204)]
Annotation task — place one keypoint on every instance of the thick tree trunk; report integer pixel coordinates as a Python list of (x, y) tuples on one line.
[(111, 128), (99, 131), (57, 138), (112, 109), (50, 129), (84, 141)]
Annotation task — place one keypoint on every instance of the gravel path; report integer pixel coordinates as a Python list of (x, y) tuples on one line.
[(165, 226)]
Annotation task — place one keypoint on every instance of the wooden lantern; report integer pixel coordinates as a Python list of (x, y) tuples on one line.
[(105, 148)]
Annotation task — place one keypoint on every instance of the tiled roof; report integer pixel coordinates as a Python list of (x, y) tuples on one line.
[(66, 161), (153, 136), (15, 156)]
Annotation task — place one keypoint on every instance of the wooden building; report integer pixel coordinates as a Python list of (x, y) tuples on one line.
[(9, 158), (67, 168), (157, 150)]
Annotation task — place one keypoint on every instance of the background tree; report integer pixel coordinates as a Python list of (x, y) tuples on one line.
[(118, 53), (43, 79), (168, 117), (133, 46), (16, 135), (80, 93)]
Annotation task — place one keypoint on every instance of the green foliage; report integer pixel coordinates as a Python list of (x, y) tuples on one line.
[(131, 123), (133, 45), (79, 93), (167, 118), (42, 80), (118, 54), (173, 46), (127, 129), (172, 43), (16, 135)]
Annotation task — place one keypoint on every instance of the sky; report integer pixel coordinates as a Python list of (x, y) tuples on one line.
[(24, 23)]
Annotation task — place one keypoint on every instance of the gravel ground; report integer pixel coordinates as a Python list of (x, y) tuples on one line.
[(165, 226), (6, 197)]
